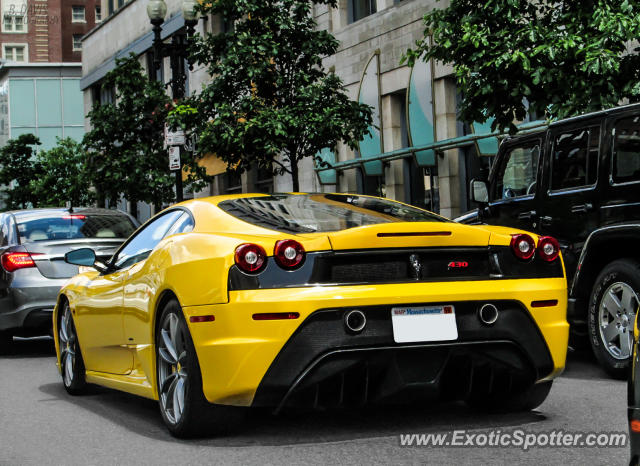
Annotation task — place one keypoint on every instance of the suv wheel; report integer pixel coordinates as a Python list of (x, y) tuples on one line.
[(612, 310)]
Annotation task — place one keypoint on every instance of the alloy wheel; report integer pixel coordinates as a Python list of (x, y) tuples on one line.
[(172, 367), (616, 317), (68, 346)]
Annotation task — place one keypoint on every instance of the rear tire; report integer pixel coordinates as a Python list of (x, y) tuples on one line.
[(183, 407), (70, 356), (526, 400), (612, 308)]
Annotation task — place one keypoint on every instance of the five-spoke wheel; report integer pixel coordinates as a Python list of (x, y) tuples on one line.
[(172, 367), (612, 311), (71, 363), (616, 314)]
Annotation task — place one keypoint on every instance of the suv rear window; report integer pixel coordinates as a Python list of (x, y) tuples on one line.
[(47, 226), (626, 151), (309, 213), (574, 159)]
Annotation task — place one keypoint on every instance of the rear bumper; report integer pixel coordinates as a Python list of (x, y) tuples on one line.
[(26, 304), (269, 363)]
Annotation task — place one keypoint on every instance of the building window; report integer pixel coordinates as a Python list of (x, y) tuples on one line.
[(77, 14), (13, 22), (77, 42), (358, 9), (15, 52), (98, 14)]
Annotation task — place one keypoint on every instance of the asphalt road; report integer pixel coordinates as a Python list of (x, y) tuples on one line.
[(40, 424)]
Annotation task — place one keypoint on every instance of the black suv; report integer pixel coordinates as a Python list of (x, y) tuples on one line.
[(579, 181)]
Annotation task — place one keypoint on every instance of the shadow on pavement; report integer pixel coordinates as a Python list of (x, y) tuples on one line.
[(30, 348), (582, 364), (141, 416)]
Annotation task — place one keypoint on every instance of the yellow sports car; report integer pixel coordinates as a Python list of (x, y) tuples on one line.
[(314, 300)]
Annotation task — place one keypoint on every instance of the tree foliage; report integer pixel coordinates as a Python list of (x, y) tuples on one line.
[(17, 170), (270, 102), (562, 58), (126, 154), (63, 176)]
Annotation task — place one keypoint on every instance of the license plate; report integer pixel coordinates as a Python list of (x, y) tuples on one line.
[(428, 323)]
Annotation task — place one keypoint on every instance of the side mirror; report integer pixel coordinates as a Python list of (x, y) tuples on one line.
[(478, 191), (83, 256)]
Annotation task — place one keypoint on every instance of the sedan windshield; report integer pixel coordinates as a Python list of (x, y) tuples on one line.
[(311, 213), (47, 226)]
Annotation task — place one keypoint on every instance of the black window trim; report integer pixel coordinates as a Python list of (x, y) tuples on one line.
[(111, 268), (575, 189), (613, 148)]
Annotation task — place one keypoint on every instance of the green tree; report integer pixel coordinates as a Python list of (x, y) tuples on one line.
[(17, 169), (560, 58), (125, 144), (63, 176), (270, 102)]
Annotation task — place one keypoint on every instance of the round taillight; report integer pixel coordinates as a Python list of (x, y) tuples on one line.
[(288, 253), (250, 257), (523, 246), (548, 248)]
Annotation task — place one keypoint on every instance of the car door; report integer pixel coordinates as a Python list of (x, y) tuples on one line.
[(513, 185), (569, 206), (99, 310), (142, 284), (98, 317)]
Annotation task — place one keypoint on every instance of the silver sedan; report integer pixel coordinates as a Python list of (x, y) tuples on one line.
[(32, 247)]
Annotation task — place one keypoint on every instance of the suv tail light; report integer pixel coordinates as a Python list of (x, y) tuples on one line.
[(548, 248), (12, 261), (288, 253), (250, 257), (523, 246)]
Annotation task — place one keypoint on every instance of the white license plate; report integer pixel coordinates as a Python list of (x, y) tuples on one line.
[(427, 323)]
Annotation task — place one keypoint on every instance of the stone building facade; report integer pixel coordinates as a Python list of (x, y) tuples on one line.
[(369, 31)]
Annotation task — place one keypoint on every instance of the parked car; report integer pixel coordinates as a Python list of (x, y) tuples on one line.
[(32, 247), (314, 300), (579, 181)]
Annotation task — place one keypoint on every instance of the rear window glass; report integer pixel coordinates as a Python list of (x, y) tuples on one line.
[(39, 226), (574, 160), (626, 151), (322, 212)]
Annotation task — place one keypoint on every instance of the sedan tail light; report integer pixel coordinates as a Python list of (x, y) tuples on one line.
[(250, 257), (523, 246), (288, 253), (12, 261), (548, 248)]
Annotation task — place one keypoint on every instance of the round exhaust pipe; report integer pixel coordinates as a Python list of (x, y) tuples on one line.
[(488, 314), (355, 321)]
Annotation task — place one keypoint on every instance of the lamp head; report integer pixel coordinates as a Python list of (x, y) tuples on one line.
[(189, 11), (157, 10)]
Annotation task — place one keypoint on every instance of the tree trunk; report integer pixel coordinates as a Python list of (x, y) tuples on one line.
[(133, 208), (294, 175), (157, 207), (101, 199)]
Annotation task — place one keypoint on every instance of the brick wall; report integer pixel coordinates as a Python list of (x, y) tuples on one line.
[(48, 30)]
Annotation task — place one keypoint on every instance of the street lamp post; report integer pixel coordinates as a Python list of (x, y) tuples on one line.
[(176, 50)]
